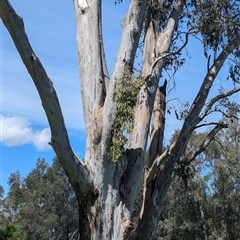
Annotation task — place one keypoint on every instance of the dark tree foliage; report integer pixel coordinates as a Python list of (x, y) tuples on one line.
[(225, 183), (181, 217), (11, 232)]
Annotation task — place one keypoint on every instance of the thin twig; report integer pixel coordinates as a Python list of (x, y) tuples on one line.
[(166, 54), (207, 141), (206, 124), (215, 99)]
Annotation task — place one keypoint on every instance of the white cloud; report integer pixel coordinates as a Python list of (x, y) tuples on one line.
[(16, 131)]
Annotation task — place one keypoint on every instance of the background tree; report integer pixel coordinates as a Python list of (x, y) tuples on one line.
[(11, 232), (43, 205), (185, 206), (206, 205), (224, 157), (117, 128)]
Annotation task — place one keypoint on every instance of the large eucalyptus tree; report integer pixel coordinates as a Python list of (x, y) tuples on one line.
[(120, 110)]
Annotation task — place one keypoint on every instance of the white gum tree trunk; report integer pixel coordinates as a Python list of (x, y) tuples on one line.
[(106, 190)]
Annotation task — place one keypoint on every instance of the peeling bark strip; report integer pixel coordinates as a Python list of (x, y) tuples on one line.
[(106, 191), (158, 124)]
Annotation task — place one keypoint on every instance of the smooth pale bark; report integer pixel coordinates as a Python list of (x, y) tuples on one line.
[(109, 210), (106, 191)]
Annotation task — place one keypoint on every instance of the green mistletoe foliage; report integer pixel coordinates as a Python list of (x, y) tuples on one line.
[(125, 96)]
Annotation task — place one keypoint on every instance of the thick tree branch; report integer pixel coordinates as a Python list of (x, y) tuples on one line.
[(93, 70), (142, 116), (125, 57), (193, 116), (74, 168), (130, 37)]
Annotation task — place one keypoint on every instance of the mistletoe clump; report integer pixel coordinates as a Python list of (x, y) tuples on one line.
[(125, 97)]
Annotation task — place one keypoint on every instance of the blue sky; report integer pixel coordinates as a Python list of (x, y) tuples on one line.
[(50, 26)]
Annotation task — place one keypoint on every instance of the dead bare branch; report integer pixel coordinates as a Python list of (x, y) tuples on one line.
[(215, 99), (206, 142)]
